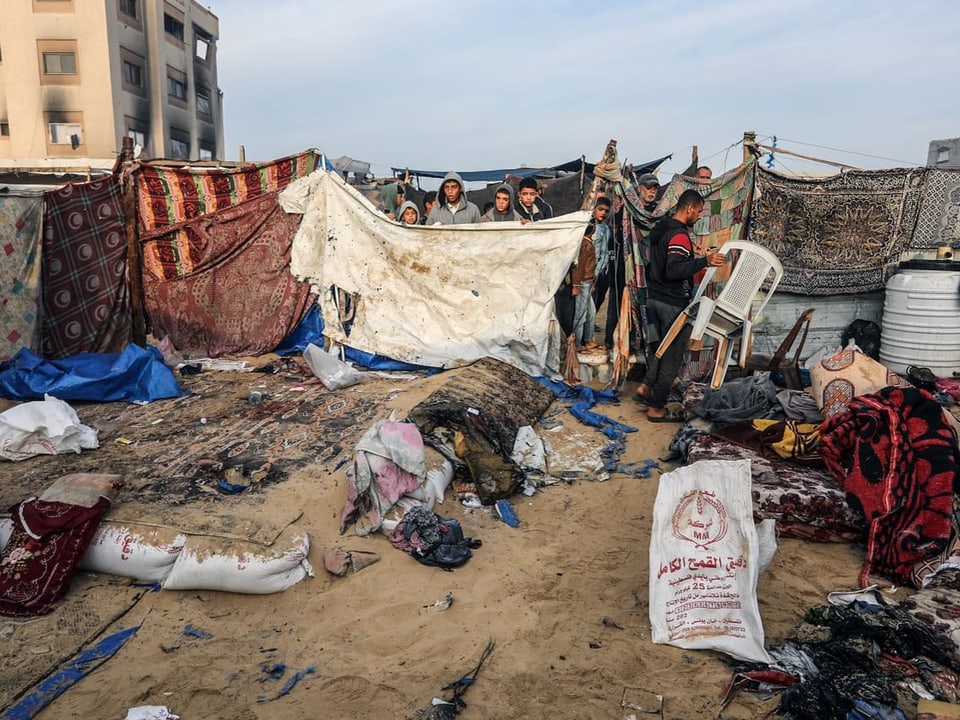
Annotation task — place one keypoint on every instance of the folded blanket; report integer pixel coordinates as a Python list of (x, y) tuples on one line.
[(898, 460)]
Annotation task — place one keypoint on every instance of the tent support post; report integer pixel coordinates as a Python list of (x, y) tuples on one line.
[(128, 194)]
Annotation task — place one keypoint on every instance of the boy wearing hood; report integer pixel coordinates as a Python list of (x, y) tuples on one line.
[(502, 210), (452, 206), (530, 206), (408, 214)]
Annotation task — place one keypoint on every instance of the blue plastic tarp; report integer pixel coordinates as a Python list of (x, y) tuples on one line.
[(135, 375), (72, 672), (310, 330)]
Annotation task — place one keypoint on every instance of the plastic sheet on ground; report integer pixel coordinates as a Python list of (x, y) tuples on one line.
[(135, 375)]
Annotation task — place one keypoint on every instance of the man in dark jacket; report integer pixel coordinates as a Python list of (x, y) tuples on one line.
[(669, 284)]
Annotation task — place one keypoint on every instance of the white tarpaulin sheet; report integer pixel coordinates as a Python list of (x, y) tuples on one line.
[(441, 296)]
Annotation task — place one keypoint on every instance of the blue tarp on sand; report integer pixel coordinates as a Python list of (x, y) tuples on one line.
[(135, 375)]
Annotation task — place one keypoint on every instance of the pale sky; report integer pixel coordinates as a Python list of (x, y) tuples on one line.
[(470, 85)]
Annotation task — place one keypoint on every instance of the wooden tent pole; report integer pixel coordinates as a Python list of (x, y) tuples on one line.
[(128, 200), (749, 144), (781, 151)]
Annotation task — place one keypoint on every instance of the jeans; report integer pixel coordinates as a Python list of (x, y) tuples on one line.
[(585, 314)]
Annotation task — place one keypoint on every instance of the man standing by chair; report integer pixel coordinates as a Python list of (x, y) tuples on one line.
[(669, 285)]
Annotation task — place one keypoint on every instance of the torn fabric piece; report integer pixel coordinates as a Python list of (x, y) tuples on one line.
[(389, 463), (21, 222), (440, 296)]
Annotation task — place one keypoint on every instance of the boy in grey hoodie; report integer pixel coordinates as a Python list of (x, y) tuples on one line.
[(502, 210), (452, 206)]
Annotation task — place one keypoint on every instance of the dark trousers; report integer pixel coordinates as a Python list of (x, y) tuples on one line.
[(566, 305), (661, 372)]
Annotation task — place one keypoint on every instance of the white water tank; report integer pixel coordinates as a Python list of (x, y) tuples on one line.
[(921, 317)]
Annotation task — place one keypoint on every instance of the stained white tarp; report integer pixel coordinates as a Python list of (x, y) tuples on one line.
[(441, 296)]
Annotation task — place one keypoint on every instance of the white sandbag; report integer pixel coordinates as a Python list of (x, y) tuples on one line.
[(142, 552), (704, 561), (43, 427), (333, 372), (213, 563)]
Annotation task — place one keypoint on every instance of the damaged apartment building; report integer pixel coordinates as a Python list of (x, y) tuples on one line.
[(77, 77)]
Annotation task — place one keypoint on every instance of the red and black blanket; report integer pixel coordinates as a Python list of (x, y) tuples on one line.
[(897, 458)]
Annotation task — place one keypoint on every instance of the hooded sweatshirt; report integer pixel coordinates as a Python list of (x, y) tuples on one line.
[(408, 204), (493, 216), (463, 212)]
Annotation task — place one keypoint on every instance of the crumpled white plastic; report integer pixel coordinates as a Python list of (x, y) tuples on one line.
[(43, 427), (151, 712)]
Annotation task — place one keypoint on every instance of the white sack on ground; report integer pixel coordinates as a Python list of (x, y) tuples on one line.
[(43, 427), (704, 561), (143, 552), (442, 296), (213, 563)]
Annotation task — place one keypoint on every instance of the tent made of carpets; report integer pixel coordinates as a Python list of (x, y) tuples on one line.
[(438, 296), (215, 251)]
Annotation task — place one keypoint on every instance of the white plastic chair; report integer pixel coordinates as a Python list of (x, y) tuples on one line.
[(732, 314)]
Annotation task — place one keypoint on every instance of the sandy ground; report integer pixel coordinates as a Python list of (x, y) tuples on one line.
[(564, 597)]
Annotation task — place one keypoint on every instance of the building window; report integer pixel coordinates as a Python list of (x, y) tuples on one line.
[(132, 74), (53, 6), (943, 155), (173, 27), (179, 149), (203, 103), (132, 67), (136, 131), (202, 43), (66, 134), (4, 128), (177, 85), (206, 152), (59, 63), (129, 8)]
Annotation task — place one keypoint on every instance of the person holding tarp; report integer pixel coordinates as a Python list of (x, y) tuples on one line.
[(670, 282), (452, 207)]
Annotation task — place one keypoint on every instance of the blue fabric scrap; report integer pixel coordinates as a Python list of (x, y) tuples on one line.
[(584, 399), (79, 666), (192, 631)]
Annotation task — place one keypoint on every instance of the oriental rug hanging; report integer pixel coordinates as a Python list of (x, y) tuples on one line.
[(938, 222), (837, 235)]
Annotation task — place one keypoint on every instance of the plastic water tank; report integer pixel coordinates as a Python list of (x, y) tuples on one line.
[(921, 317)]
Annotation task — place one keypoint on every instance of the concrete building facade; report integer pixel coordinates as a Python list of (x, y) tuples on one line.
[(944, 154), (77, 76)]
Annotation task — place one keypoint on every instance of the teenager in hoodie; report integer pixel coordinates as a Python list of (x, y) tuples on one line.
[(530, 206), (452, 207), (502, 210), (408, 214)]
